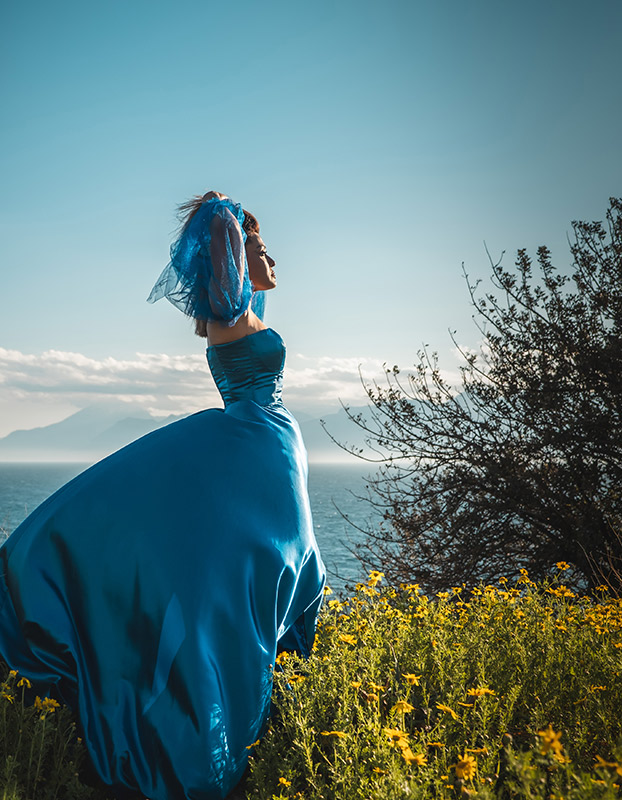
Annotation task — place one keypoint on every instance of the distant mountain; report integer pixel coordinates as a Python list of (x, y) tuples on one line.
[(319, 443), (87, 435), (98, 430)]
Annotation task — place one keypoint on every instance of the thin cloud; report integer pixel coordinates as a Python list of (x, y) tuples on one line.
[(164, 384)]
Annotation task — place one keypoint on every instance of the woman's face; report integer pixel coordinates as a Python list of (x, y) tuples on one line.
[(260, 265)]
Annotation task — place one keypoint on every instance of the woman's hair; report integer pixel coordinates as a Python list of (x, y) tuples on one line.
[(185, 212)]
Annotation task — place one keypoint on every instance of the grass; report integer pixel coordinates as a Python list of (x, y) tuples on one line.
[(41, 755), (506, 691)]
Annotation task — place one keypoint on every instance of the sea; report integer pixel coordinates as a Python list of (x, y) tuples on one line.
[(335, 492)]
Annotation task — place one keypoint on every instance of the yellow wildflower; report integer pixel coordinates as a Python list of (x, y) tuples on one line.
[(602, 764), (402, 707), (376, 687), (347, 638), (379, 771), (397, 738), (375, 577), (418, 759), (46, 705), (371, 697), (551, 741), (7, 696), (466, 705), (466, 767), (282, 657), (442, 707), (254, 744), (339, 734), (562, 565), (13, 673), (327, 591), (24, 682), (284, 782), (296, 678), (479, 691), (356, 684), (435, 744), (412, 679)]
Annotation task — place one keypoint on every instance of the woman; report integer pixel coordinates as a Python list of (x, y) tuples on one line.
[(151, 592)]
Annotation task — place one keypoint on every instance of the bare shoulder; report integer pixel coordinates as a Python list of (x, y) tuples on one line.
[(249, 322)]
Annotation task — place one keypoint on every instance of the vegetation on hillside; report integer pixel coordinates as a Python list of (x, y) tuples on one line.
[(504, 691)]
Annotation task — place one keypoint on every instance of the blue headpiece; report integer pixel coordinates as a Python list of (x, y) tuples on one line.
[(207, 277)]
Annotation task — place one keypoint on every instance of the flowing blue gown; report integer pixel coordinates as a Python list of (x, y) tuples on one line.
[(150, 593)]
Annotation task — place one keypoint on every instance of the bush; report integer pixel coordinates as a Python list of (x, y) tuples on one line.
[(507, 691), (522, 466)]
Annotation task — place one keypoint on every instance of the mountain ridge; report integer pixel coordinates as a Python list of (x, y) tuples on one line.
[(98, 430)]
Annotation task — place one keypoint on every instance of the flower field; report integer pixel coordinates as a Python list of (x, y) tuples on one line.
[(505, 691)]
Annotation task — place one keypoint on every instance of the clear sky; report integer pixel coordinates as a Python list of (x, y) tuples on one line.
[(379, 144)]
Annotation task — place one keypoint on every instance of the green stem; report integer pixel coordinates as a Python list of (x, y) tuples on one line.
[(41, 749)]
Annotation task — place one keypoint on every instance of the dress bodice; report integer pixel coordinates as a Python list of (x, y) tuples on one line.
[(250, 368)]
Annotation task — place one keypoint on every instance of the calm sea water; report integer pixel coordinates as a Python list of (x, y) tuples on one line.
[(331, 490)]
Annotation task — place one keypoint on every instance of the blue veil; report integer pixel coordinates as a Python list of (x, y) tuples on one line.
[(207, 277)]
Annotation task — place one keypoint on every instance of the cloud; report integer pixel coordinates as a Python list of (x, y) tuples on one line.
[(150, 380), (161, 384), (325, 381)]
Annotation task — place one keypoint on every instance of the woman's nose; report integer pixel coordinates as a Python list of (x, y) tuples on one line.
[(271, 261)]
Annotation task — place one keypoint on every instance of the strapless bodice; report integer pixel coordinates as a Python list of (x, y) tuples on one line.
[(250, 368)]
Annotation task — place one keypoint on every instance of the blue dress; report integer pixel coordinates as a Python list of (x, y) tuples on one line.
[(150, 593)]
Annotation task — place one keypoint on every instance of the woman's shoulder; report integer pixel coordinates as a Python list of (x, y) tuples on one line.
[(248, 324), (254, 338)]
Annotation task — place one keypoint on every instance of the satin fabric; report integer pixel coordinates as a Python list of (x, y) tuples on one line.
[(150, 592)]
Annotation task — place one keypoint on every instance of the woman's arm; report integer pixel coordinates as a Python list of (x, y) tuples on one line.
[(227, 246)]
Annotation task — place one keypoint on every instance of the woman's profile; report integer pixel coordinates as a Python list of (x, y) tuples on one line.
[(152, 591)]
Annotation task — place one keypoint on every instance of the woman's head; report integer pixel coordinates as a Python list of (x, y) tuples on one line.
[(260, 264)]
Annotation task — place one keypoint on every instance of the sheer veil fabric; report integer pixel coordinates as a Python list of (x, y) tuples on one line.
[(207, 276)]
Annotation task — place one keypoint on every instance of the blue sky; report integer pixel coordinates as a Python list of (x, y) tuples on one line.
[(379, 144)]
